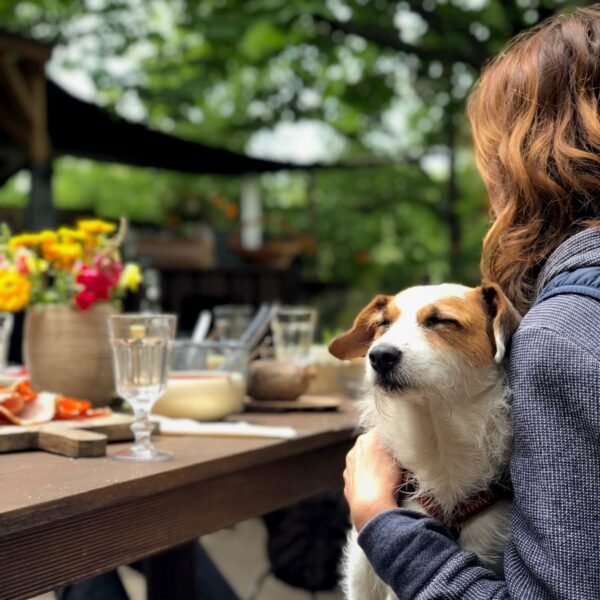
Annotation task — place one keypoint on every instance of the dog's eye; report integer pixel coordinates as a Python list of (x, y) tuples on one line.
[(383, 323), (434, 321)]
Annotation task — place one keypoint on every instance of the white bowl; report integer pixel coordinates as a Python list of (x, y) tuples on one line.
[(202, 395)]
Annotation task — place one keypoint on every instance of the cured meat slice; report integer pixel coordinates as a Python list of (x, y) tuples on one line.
[(36, 412)]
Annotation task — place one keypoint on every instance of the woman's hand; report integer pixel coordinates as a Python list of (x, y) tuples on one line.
[(371, 478)]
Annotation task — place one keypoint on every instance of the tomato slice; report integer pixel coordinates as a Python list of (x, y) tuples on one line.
[(71, 408), (23, 387)]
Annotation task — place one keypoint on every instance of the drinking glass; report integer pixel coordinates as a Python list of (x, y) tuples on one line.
[(231, 320), (141, 344), (293, 333)]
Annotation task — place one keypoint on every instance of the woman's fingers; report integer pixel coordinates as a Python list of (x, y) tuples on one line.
[(370, 479)]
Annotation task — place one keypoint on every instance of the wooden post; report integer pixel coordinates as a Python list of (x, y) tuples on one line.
[(41, 213), (23, 115)]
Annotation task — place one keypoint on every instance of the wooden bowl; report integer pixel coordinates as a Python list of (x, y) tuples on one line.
[(277, 380)]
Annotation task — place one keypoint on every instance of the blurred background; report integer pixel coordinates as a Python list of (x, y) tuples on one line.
[(310, 152), (358, 108)]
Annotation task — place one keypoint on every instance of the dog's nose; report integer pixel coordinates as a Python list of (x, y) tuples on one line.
[(384, 357)]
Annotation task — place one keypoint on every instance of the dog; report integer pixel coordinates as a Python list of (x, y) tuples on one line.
[(438, 397)]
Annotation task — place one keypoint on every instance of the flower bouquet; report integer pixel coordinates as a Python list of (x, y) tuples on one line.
[(69, 280), (76, 267)]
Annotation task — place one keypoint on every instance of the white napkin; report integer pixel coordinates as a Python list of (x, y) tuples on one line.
[(170, 426)]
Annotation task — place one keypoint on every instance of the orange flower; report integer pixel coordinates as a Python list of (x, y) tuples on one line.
[(62, 254)]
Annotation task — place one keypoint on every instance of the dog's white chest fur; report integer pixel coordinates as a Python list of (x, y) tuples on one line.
[(452, 457)]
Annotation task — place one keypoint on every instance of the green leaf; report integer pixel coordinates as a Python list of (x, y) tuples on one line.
[(261, 40)]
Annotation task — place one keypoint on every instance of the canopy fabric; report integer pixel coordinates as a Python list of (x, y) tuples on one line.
[(78, 128), (81, 129)]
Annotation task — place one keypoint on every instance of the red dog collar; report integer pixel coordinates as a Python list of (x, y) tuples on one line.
[(499, 490)]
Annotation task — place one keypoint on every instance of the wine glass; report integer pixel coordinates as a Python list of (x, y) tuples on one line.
[(141, 345)]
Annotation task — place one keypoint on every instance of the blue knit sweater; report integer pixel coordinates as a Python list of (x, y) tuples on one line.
[(554, 548)]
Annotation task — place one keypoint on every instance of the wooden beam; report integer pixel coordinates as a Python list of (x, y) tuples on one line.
[(13, 81), (37, 51), (39, 148), (15, 126)]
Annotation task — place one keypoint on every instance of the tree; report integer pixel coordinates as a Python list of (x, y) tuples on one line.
[(387, 79)]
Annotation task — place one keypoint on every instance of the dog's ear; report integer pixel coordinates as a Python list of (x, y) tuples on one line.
[(356, 341), (503, 316)]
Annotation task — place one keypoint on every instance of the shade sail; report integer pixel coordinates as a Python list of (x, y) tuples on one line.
[(82, 129)]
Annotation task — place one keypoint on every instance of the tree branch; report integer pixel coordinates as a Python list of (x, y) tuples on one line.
[(389, 38), (442, 26)]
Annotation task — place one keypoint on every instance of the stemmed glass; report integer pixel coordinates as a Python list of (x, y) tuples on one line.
[(141, 345)]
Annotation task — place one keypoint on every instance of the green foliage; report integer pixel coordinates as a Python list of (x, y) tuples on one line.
[(388, 77)]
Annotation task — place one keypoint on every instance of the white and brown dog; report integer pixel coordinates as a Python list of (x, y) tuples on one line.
[(437, 394)]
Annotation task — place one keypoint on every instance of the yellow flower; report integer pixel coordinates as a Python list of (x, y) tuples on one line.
[(62, 254), (15, 291), (131, 277), (23, 240), (96, 226), (67, 234), (32, 240), (47, 236)]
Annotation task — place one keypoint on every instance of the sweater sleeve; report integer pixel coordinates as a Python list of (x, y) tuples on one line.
[(554, 548)]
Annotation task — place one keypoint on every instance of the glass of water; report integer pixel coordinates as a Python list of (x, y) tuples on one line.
[(141, 345), (293, 333)]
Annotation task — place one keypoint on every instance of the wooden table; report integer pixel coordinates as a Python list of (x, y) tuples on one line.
[(63, 520)]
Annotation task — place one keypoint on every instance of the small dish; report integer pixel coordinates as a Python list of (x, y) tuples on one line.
[(203, 396), (207, 380)]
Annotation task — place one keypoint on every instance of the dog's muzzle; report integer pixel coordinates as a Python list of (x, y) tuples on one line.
[(384, 358), (385, 361)]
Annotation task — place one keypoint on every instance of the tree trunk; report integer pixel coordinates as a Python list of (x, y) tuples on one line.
[(450, 213)]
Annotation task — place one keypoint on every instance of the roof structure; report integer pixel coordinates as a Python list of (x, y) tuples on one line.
[(78, 128), (23, 126), (82, 129)]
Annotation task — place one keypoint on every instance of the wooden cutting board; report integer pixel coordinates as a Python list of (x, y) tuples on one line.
[(78, 438)]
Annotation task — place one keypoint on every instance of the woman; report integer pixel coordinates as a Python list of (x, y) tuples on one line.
[(535, 117)]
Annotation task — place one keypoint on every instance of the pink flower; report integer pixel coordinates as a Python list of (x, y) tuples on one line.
[(85, 299), (21, 264), (97, 281), (110, 267)]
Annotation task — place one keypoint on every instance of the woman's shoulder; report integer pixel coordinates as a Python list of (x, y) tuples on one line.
[(568, 321)]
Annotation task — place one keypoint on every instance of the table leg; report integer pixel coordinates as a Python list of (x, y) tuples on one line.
[(170, 575)]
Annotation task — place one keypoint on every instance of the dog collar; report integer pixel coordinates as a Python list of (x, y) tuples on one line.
[(498, 490)]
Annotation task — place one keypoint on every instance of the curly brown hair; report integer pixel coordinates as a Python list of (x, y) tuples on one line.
[(536, 128)]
